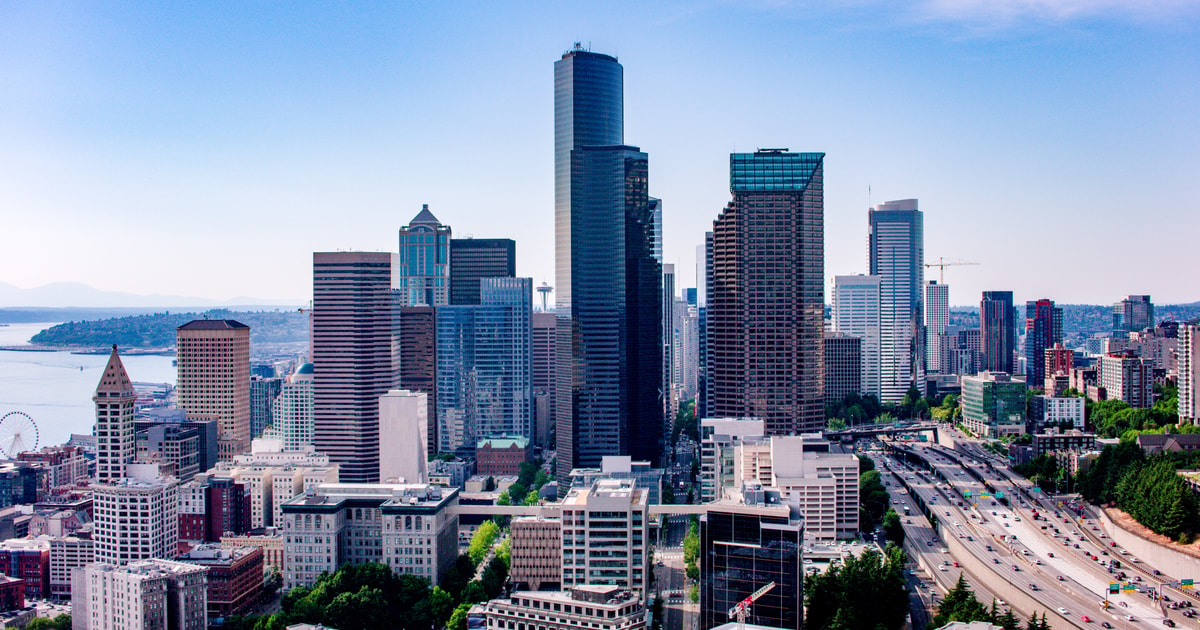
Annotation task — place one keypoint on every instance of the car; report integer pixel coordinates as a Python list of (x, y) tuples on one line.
[(995, 560), (947, 514), (1105, 624), (1086, 619), (1168, 623), (1063, 611), (1050, 554), (1124, 604), (942, 567), (956, 564), (1129, 618), (1032, 586), (1016, 568), (1061, 578)]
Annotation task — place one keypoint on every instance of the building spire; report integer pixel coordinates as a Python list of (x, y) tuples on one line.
[(115, 381)]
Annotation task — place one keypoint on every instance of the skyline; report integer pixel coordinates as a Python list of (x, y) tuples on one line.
[(327, 130)]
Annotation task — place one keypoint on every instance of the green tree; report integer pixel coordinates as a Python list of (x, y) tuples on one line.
[(867, 591), (872, 497), (482, 541), (960, 604), (61, 622), (441, 606), (893, 528), (458, 619)]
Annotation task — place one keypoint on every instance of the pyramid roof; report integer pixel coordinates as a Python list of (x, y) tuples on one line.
[(115, 379), (425, 216)]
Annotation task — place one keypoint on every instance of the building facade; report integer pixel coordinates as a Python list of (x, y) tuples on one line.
[(1133, 314), (235, 577), (605, 537), (1127, 377), (536, 553), (418, 363), (213, 383), (856, 313), (1043, 329), (897, 256), (766, 303), (149, 594), (472, 259), (997, 332), (595, 607), (1188, 368), (937, 318), (355, 355), (843, 366), (993, 404), (608, 282), (292, 411), (424, 262), (545, 354), (403, 425), (263, 392)]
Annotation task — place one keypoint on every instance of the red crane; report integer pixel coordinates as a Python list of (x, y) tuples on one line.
[(739, 611)]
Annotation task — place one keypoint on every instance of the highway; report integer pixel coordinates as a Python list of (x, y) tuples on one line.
[(1049, 560)]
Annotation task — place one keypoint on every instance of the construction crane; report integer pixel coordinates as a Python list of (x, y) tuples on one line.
[(739, 611), (942, 263)]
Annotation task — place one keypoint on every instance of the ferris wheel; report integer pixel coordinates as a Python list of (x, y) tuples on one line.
[(18, 434)]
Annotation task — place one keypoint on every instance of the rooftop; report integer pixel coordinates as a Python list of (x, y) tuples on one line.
[(212, 324)]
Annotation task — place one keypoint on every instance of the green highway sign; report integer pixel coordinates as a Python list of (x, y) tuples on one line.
[(1035, 489), (999, 495), (1186, 583), (967, 493), (1114, 588), (1128, 587)]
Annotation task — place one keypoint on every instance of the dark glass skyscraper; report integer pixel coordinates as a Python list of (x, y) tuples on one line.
[(472, 259), (609, 295), (1043, 329), (766, 295), (1133, 314), (997, 331)]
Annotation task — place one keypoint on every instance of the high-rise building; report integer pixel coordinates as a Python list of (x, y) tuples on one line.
[(485, 366), (424, 263), (151, 594), (856, 313), (745, 545), (474, 258), (668, 338), (136, 517), (704, 279), (897, 256), (418, 362), (1187, 358), (843, 366), (1059, 360), (355, 356), (609, 283), (545, 352), (292, 414), (766, 303), (997, 331), (609, 525), (1043, 329), (993, 404), (403, 425), (1133, 314), (937, 317), (263, 392), (685, 373), (1127, 377), (213, 357), (114, 398)]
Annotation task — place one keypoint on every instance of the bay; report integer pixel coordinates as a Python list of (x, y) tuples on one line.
[(55, 388)]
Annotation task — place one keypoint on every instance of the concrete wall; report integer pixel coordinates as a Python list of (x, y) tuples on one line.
[(1174, 563)]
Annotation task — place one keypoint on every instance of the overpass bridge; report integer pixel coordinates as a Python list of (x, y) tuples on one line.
[(871, 430)]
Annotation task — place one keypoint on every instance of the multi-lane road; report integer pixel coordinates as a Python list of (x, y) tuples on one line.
[(1049, 559)]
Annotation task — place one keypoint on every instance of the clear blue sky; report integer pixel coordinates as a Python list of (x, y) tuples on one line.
[(208, 149)]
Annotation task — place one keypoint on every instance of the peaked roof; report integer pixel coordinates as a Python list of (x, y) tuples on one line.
[(115, 379), (212, 324), (425, 216)]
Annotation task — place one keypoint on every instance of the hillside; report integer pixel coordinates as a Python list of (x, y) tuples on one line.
[(157, 330)]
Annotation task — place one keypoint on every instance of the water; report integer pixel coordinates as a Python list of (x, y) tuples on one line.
[(52, 389)]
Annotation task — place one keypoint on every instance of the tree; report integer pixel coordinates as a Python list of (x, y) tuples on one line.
[(867, 591), (362, 610), (494, 577), (482, 541), (61, 622), (872, 497), (893, 528), (458, 619), (441, 606), (960, 605)]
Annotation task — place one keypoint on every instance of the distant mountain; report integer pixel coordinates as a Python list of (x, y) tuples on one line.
[(76, 294)]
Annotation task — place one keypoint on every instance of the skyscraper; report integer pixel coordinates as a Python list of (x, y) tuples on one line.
[(897, 256), (292, 415), (608, 282), (263, 392), (937, 317), (545, 355), (418, 363), (474, 258), (114, 398), (1043, 329), (668, 340), (213, 357), (1189, 371), (856, 313), (766, 302), (424, 263), (997, 331), (355, 356), (485, 366), (1133, 314)]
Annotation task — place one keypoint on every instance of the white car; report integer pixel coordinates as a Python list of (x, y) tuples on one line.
[(1063, 611)]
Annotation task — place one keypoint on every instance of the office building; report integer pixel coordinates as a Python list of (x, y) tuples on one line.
[(12, 596), (268, 539), (292, 411), (211, 505), (147, 595), (856, 313), (718, 439), (418, 363), (263, 392), (136, 517), (686, 354), (997, 331), (1188, 370), (28, 559), (355, 356), (68, 553), (1055, 412), (114, 399), (536, 553), (213, 358), (472, 259), (594, 607), (623, 467), (500, 456), (668, 340), (273, 476), (424, 261), (179, 449), (608, 281), (704, 278), (1043, 329), (545, 353), (747, 543), (405, 526), (897, 256), (843, 366), (937, 318), (485, 366), (403, 426), (235, 577), (62, 465), (1133, 314), (766, 303), (993, 404), (1128, 378), (606, 535)]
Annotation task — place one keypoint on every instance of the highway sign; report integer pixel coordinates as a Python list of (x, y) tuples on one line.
[(1128, 587), (999, 495), (1114, 588), (1186, 583)]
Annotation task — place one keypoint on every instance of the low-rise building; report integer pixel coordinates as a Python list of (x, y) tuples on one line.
[(152, 594), (451, 473), (12, 593), (605, 535), (1156, 443), (993, 404), (593, 607), (269, 539), (536, 553), (1061, 442), (1055, 411), (235, 577), (501, 455), (29, 560)]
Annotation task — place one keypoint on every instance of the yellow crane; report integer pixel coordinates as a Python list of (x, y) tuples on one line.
[(942, 263)]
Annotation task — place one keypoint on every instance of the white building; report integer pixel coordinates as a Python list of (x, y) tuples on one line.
[(68, 553), (718, 437), (274, 475), (405, 526), (292, 411), (144, 595), (136, 517), (592, 607), (937, 318), (807, 473), (1187, 365), (1128, 378), (605, 535), (1052, 411), (403, 431), (896, 254), (856, 313)]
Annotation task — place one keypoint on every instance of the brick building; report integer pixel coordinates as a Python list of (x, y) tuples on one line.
[(501, 456), (235, 577)]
